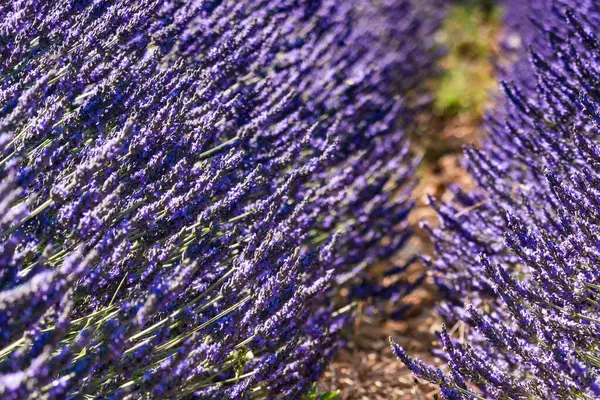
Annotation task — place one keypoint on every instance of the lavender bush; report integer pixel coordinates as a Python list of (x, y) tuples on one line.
[(517, 259), (184, 182)]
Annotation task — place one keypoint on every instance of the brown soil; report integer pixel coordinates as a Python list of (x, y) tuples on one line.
[(366, 369)]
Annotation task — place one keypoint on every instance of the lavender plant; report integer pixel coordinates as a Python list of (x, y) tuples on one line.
[(518, 259), (184, 184)]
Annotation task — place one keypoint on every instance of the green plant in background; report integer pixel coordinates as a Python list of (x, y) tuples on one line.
[(470, 35), (316, 394)]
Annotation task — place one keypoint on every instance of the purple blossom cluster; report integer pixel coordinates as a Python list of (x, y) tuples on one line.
[(183, 185), (517, 259)]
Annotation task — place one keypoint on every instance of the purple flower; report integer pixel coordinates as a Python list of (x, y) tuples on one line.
[(183, 186), (517, 259)]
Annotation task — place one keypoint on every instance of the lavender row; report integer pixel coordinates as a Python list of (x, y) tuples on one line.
[(185, 183), (517, 260)]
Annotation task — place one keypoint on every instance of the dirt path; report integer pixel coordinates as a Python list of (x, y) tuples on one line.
[(366, 369)]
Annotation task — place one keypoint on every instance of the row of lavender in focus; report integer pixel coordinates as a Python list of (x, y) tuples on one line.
[(184, 185)]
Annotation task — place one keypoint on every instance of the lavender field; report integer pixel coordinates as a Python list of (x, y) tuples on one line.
[(299, 199)]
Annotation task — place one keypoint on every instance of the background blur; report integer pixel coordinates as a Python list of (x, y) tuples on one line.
[(463, 89)]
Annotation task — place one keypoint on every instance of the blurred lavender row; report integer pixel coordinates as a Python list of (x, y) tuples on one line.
[(184, 185), (517, 259)]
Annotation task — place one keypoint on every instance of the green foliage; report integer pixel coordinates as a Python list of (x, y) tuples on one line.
[(316, 394), (469, 34)]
